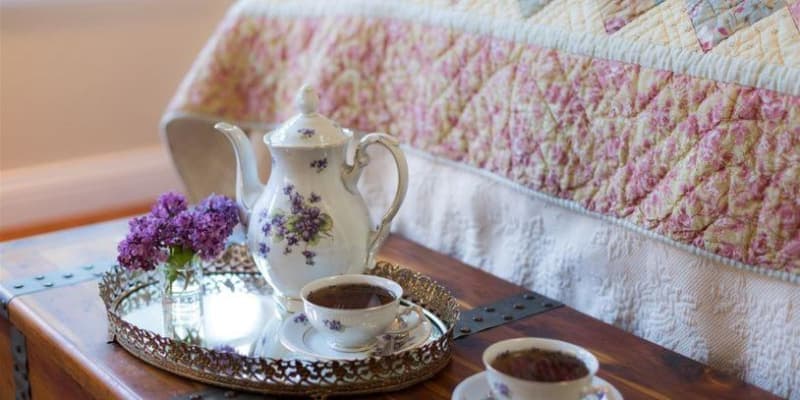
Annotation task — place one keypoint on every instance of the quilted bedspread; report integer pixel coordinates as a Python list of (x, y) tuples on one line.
[(679, 118)]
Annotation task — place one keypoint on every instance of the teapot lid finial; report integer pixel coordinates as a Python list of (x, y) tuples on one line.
[(307, 129), (307, 100)]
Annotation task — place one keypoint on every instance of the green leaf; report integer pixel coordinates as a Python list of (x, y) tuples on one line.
[(327, 222), (171, 275), (179, 256), (176, 262)]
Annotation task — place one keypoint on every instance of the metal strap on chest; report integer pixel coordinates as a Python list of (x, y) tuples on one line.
[(502, 312), (12, 288), (19, 356)]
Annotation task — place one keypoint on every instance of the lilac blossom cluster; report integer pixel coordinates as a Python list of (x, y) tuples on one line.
[(172, 231), (305, 223)]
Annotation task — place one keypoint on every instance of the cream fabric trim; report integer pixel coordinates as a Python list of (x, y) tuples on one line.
[(702, 65)]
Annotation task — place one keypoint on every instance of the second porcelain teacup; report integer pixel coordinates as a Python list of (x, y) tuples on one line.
[(350, 311), (505, 386)]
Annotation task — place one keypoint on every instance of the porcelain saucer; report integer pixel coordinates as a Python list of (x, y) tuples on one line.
[(297, 335), (477, 388)]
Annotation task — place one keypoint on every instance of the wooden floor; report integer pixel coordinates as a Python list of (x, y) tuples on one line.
[(73, 221)]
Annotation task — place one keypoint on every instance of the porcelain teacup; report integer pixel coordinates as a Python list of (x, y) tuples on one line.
[(357, 329), (505, 386)]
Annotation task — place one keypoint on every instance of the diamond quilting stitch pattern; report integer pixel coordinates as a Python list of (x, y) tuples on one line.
[(715, 20), (618, 14), (709, 164)]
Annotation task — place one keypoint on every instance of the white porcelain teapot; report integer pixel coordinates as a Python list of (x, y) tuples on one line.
[(310, 220)]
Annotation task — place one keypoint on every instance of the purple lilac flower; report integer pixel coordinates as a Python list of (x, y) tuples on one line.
[(171, 226), (217, 203), (147, 225), (141, 249), (178, 230), (314, 198), (214, 220), (169, 205), (288, 189)]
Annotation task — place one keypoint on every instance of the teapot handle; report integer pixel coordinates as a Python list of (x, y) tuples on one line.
[(378, 236)]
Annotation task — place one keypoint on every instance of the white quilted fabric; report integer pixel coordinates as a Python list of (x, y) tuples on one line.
[(734, 320)]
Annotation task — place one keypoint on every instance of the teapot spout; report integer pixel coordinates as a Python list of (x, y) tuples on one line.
[(248, 185)]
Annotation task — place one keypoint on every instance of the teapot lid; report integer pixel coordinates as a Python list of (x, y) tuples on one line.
[(308, 128)]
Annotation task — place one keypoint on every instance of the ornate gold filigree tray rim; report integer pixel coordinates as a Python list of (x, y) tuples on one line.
[(287, 376)]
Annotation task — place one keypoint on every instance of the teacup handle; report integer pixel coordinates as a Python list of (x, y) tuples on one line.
[(410, 327)]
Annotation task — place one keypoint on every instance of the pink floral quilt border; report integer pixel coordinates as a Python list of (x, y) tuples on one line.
[(709, 164)]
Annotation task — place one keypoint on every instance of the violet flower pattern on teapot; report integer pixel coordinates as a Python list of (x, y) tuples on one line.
[(304, 225)]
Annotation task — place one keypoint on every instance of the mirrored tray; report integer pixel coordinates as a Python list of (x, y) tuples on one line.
[(231, 337)]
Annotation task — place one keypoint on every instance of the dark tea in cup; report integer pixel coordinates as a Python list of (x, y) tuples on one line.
[(350, 311), (540, 365), (540, 368), (350, 296)]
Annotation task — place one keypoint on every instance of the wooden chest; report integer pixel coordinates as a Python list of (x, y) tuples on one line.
[(53, 333)]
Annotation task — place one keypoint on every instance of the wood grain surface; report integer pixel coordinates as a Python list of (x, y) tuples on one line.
[(67, 326), (6, 362)]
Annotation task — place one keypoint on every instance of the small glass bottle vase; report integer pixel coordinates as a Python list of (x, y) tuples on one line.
[(182, 301), (182, 284)]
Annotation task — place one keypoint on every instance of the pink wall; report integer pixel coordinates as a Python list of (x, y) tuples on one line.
[(87, 77)]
